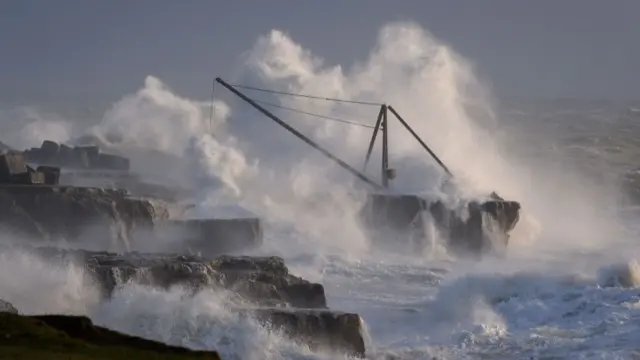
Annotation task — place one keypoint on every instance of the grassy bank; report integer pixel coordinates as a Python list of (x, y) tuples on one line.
[(76, 338)]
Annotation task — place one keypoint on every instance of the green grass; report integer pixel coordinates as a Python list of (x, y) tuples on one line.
[(76, 338)]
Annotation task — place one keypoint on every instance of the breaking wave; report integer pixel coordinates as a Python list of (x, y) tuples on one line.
[(235, 156)]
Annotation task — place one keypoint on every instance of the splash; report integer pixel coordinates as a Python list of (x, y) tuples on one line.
[(155, 118), (436, 90), (252, 162), (311, 206), (426, 81), (26, 127), (207, 320), (26, 278), (168, 138)]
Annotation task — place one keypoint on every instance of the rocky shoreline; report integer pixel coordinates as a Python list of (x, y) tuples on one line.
[(97, 228), (265, 289)]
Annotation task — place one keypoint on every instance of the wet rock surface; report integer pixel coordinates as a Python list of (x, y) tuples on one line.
[(110, 219), (342, 332), (34, 206), (469, 230), (269, 293), (69, 213), (264, 281)]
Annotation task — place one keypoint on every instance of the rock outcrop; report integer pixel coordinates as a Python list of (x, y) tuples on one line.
[(87, 165), (122, 180), (78, 157), (397, 222), (14, 170), (109, 216), (318, 329), (263, 281), (108, 219), (263, 286), (70, 213)]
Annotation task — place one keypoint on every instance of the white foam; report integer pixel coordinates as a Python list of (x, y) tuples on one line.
[(545, 299)]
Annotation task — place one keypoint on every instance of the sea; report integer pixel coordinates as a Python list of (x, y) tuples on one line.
[(567, 288)]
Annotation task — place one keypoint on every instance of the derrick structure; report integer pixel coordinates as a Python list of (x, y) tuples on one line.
[(399, 214)]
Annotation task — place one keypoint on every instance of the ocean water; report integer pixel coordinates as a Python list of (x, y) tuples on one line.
[(569, 286)]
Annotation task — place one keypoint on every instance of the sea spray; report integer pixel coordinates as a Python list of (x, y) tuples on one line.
[(205, 320), (155, 118), (437, 92), (38, 286), (29, 126)]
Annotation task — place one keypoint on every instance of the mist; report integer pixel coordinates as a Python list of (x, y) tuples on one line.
[(231, 156), (235, 156)]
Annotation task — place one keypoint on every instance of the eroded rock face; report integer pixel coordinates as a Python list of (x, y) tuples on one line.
[(271, 295), (264, 281), (69, 213), (106, 219), (401, 219), (342, 332)]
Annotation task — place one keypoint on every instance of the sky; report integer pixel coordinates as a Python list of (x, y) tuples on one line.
[(78, 49)]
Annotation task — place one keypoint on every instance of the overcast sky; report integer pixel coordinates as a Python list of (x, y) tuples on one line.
[(67, 49)]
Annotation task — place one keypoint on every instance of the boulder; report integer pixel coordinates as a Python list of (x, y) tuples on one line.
[(6, 307), (50, 148), (79, 157), (14, 170), (51, 174), (319, 329)]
